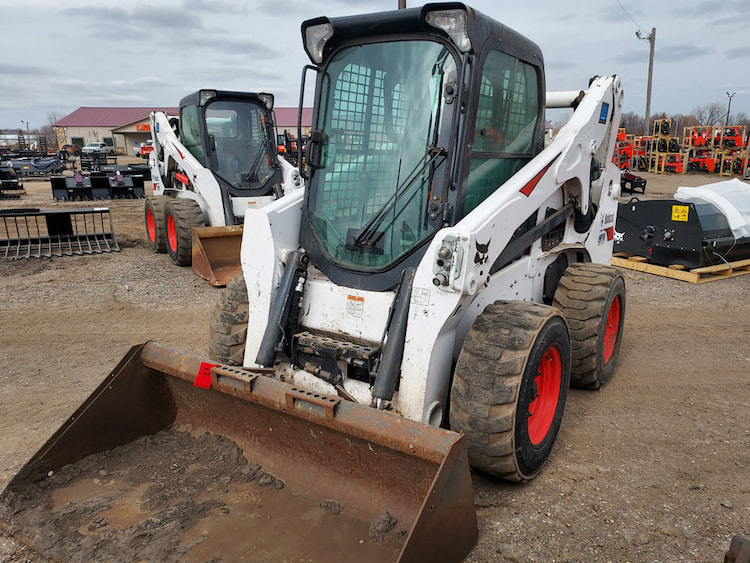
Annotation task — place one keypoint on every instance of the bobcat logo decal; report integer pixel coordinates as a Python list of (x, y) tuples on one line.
[(481, 255)]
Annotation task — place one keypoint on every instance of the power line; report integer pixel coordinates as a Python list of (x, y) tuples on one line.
[(631, 17)]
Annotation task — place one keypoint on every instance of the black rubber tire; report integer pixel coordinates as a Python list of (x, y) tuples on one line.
[(585, 296), (180, 216), (154, 221), (228, 324), (495, 382)]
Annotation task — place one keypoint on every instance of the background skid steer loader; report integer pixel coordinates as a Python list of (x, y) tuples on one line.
[(216, 160), (417, 273)]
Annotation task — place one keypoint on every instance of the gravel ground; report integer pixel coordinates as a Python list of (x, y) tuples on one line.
[(653, 467)]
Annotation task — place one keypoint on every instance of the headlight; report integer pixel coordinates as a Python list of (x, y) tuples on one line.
[(267, 100), (205, 96), (454, 23), (316, 37)]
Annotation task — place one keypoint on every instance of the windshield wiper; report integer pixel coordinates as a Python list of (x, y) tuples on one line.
[(256, 163), (366, 237)]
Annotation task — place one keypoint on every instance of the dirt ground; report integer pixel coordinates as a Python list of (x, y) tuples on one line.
[(653, 467)]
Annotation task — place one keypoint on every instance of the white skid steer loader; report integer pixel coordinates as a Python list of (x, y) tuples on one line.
[(210, 165), (442, 261), (441, 268)]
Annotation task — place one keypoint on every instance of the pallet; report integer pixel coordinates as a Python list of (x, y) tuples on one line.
[(677, 272)]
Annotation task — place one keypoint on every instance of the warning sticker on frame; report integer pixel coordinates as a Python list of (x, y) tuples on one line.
[(680, 213), (420, 296), (355, 306)]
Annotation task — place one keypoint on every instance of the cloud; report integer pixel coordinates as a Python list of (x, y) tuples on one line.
[(214, 7), (8, 70), (231, 45), (129, 24), (100, 14), (682, 53), (738, 53)]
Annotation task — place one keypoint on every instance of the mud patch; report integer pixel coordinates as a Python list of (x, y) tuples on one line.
[(135, 499), (382, 527), (332, 506), (177, 497)]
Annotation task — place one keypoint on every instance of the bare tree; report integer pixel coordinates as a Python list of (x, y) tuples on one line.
[(632, 122), (710, 114), (740, 118), (679, 122), (48, 130)]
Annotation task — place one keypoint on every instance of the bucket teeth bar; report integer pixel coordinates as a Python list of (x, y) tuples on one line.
[(96, 187), (34, 233)]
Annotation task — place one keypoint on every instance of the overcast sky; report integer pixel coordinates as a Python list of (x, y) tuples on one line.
[(56, 56)]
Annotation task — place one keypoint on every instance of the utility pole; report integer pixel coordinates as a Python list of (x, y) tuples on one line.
[(401, 4), (651, 37), (729, 105)]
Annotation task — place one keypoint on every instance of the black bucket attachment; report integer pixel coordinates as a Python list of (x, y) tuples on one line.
[(97, 187), (10, 186), (344, 482), (94, 162), (11, 191), (33, 233), (126, 170)]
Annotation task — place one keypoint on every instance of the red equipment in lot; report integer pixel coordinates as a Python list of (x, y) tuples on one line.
[(146, 149), (729, 137)]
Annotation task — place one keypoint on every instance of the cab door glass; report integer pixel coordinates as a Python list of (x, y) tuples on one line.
[(508, 114), (190, 132)]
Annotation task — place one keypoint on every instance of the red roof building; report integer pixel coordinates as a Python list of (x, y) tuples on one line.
[(127, 127), (121, 127)]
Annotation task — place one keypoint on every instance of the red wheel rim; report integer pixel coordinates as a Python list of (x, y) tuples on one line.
[(150, 226), (542, 409), (171, 233), (611, 330)]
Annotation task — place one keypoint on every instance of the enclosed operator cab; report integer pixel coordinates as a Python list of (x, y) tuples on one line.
[(412, 132), (233, 135)]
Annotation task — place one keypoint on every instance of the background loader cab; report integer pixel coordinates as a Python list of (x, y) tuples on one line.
[(232, 133), (210, 164)]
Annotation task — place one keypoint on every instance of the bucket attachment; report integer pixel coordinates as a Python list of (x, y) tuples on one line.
[(97, 186), (739, 551), (10, 186), (8, 191), (216, 253), (94, 162), (27, 233), (343, 482)]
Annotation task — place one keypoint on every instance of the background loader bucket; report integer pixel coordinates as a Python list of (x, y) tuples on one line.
[(216, 253), (26, 233), (96, 186), (315, 478)]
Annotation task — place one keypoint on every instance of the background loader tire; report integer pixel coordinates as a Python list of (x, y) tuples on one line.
[(592, 300), (154, 219), (228, 324), (180, 216), (509, 388)]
